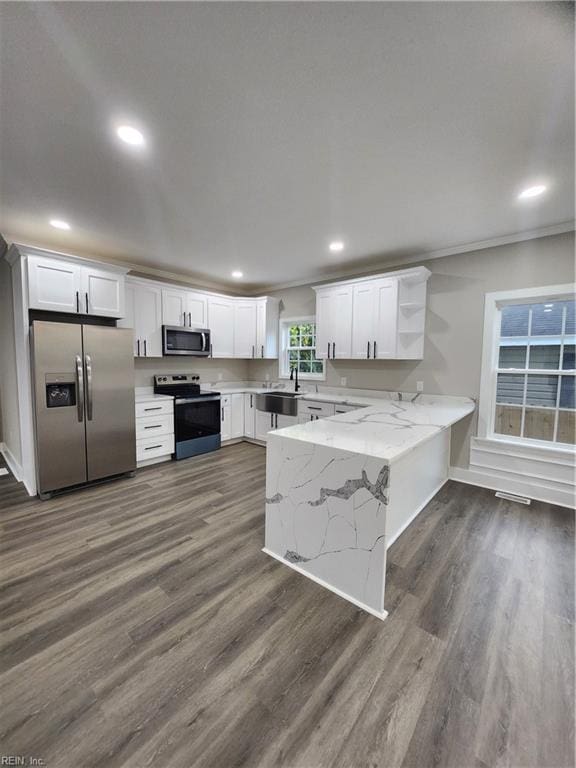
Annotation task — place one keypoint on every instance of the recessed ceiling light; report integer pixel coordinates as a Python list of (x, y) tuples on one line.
[(548, 306), (59, 224), (237, 274), (130, 135), (336, 246), (535, 191)]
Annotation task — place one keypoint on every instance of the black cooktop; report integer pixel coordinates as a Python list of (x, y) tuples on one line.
[(180, 385)]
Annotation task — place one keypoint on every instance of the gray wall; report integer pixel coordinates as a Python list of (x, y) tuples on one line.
[(9, 425), (452, 357)]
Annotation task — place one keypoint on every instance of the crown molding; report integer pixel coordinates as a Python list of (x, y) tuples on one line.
[(518, 237)]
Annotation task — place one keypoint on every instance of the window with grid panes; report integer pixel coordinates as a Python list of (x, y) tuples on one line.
[(536, 371), (299, 350)]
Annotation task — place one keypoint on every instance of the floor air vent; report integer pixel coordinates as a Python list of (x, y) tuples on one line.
[(512, 497)]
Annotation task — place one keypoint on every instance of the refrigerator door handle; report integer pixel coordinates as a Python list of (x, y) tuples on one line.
[(80, 388), (89, 403)]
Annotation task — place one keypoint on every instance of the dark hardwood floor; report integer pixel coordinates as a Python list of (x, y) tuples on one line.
[(142, 626)]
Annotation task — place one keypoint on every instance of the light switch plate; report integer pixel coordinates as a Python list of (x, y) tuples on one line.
[(419, 386), (343, 381), (220, 376)]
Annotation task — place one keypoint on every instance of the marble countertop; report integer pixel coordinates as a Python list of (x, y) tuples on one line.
[(147, 398), (386, 430)]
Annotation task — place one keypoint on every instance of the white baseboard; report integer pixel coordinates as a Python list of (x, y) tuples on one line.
[(14, 466), (514, 484), (379, 614)]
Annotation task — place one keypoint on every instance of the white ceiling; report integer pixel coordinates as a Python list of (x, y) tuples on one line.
[(401, 128)]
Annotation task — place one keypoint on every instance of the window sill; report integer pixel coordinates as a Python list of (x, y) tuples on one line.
[(304, 377), (509, 445)]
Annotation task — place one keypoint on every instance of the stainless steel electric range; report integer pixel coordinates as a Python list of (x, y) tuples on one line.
[(196, 413)]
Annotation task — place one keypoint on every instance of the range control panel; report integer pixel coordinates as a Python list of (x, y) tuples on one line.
[(177, 378)]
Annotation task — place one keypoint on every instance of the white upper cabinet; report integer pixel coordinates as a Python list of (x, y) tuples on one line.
[(59, 285), (174, 307), (334, 322), (144, 315), (54, 285), (267, 313), (244, 328), (381, 317), (221, 325), (102, 292), (197, 308), (185, 308)]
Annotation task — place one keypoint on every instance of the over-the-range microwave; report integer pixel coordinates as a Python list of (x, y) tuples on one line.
[(177, 340)]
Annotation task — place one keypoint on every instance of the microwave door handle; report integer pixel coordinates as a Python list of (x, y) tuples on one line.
[(203, 342), (80, 387)]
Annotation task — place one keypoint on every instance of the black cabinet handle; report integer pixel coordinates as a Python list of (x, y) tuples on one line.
[(154, 426), (145, 350), (157, 408), (374, 350), (222, 414), (77, 302), (271, 421), (86, 294), (138, 346), (189, 319), (251, 406), (333, 350), (328, 350), (262, 350), (151, 447), (314, 408)]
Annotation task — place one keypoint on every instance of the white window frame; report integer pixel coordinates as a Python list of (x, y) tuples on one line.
[(283, 366), (490, 356)]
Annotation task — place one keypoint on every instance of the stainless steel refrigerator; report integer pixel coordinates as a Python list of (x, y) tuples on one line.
[(84, 403)]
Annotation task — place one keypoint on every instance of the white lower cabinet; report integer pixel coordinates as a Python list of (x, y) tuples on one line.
[(154, 430), (232, 417), (249, 415), (284, 421), (264, 423)]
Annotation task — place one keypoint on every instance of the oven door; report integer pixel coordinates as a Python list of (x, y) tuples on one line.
[(185, 341), (197, 426)]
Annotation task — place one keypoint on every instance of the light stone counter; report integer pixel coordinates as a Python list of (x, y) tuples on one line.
[(339, 491)]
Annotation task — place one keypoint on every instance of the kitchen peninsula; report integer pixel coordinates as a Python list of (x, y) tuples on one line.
[(339, 491)]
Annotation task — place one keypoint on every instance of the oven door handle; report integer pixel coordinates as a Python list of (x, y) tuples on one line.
[(189, 401)]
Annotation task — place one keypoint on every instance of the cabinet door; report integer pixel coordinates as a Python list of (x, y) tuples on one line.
[(237, 420), (324, 324), (102, 293), (174, 307), (226, 422), (386, 318), (221, 324), (53, 285), (261, 341), (285, 421), (264, 423), (363, 320), (129, 319), (341, 314), (267, 316), (197, 307), (249, 414), (244, 329), (148, 313)]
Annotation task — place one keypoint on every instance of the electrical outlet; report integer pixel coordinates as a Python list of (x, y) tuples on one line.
[(343, 381), (220, 376), (419, 386), (267, 377)]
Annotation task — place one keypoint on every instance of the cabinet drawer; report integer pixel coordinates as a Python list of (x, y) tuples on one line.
[(151, 447), (346, 408), (322, 410), (154, 408), (151, 426)]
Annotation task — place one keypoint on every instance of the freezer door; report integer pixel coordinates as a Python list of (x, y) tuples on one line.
[(57, 371), (109, 388)]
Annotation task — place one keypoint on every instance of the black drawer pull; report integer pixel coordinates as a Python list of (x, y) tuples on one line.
[(152, 447), (156, 408), (313, 408), (154, 426)]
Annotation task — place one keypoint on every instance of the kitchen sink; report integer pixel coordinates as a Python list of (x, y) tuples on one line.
[(284, 403)]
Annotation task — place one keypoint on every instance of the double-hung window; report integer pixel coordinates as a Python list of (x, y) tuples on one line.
[(532, 370), (298, 340)]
